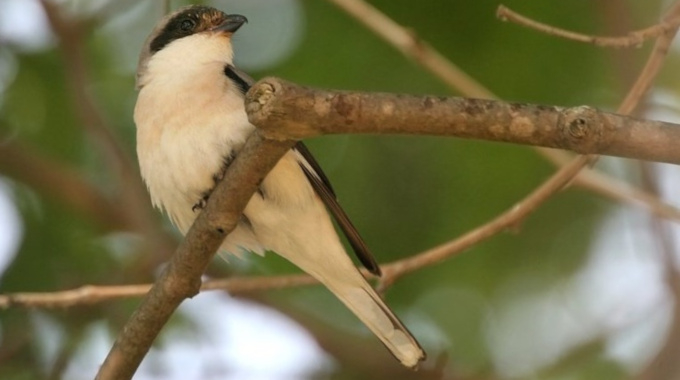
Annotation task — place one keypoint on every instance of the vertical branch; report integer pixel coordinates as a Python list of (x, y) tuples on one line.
[(665, 364), (654, 62)]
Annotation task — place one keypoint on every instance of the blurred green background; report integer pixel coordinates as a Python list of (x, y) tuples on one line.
[(576, 292)]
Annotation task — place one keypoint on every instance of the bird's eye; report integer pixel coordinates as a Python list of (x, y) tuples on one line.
[(187, 25)]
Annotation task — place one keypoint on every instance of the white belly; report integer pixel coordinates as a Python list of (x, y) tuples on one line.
[(180, 152)]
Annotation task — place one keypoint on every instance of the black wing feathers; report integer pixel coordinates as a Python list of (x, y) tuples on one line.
[(320, 183), (325, 192), (241, 80)]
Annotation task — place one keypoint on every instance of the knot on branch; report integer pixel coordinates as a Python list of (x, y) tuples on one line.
[(581, 129), (277, 108)]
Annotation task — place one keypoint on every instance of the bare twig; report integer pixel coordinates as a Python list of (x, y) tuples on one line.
[(665, 364), (92, 294), (625, 193), (634, 38), (408, 43), (506, 220)]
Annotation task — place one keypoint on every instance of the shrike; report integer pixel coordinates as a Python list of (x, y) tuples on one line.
[(191, 122)]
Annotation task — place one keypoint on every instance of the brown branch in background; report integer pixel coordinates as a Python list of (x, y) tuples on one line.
[(59, 182), (132, 197), (626, 193), (391, 272), (408, 43), (265, 100), (664, 364), (92, 294), (283, 109), (182, 276), (71, 33), (654, 62), (504, 221), (634, 38)]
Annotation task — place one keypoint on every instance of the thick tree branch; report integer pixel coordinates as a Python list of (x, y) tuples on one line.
[(181, 279), (286, 109)]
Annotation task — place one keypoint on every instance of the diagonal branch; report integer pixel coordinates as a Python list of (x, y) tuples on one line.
[(132, 196), (60, 182), (181, 279), (631, 39)]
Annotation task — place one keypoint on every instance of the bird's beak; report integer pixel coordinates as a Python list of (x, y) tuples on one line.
[(231, 24)]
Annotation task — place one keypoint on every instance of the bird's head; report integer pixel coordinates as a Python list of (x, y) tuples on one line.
[(194, 32)]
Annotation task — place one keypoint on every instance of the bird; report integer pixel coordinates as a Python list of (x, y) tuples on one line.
[(191, 123)]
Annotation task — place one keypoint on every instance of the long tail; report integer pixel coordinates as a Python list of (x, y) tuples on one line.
[(365, 303), (291, 219)]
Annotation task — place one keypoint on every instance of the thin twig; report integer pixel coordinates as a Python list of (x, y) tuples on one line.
[(504, 221), (634, 38), (654, 62), (92, 294), (408, 43), (664, 364)]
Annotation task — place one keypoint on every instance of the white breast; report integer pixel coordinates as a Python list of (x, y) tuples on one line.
[(189, 118)]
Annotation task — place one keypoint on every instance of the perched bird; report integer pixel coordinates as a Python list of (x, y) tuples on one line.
[(191, 122)]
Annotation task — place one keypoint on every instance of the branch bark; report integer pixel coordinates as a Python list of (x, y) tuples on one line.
[(181, 279), (286, 110)]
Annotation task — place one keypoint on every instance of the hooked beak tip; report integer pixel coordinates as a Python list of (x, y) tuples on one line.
[(231, 24)]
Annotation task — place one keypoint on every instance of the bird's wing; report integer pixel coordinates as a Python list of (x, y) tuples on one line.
[(320, 184)]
